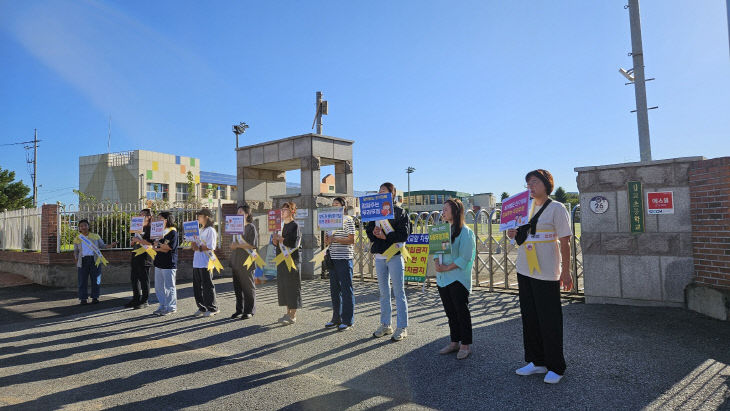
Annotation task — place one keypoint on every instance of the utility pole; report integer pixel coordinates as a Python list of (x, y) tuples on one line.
[(637, 54), (322, 110), (35, 167)]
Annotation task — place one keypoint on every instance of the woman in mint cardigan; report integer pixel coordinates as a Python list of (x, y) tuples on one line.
[(454, 279)]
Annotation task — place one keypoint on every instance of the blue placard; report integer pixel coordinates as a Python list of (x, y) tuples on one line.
[(418, 239), (191, 229), (376, 207)]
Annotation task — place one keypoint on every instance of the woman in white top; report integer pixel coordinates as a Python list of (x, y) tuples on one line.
[(203, 287), (543, 267)]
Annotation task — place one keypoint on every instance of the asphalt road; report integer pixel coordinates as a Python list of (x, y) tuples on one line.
[(55, 354)]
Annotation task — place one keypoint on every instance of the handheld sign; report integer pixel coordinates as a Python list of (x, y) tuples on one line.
[(274, 219), (157, 229), (136, 225), (234, 224), (376, 207), (515, 211), (439, 239), (416, 266), (191, 230), (330, 218)]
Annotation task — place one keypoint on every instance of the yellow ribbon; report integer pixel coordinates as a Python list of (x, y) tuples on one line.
[(394, 248), (145, 249), (319, 257), (532, 261), (214, 262), (285, 256), (254, 257)]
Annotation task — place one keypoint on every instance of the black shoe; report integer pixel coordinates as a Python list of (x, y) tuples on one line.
[(83, 302), (131, 304), (236, 314), (140, 306), (247, 316), (331, 324), (95, 301)]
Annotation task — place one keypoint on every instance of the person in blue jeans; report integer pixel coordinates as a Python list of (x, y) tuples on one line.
[(342, 251), (384, 234), (85, 258)]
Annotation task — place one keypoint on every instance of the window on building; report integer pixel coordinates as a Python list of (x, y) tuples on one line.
[(433, 199), (419, 200), (181, 192), (157, 191), (440, 199), (222, 192), (332, 189)]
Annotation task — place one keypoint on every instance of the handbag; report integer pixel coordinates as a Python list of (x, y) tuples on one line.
[(531, 227)]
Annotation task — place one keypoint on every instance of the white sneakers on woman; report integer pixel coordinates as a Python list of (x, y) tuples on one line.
[(530, 369)]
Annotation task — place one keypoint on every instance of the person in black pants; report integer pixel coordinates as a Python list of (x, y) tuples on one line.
[(142, 266), (289, 282), (244, 286), (543, 267)]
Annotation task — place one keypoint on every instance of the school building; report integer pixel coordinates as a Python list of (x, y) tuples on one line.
[(132, 176), (433, 200)]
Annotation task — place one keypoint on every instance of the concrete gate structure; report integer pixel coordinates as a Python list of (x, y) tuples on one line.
[(261, 170)]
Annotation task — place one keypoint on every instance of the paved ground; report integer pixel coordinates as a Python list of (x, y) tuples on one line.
[(54, 354)]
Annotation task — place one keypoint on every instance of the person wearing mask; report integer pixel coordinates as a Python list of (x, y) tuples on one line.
[(543, 267), (166, 266), (289, 282), (87, 252), (453, 278), (383, 234), (203, 287), (141, 265), (342, 251), (244, 286)]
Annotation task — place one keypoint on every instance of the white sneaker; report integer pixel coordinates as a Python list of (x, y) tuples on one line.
[(211, 313), (552, 378), (399, 334), (530, 369), (383, 330), (199, 312)]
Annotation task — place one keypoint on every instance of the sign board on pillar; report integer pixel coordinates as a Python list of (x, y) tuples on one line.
[(636, 207), (660, 202)]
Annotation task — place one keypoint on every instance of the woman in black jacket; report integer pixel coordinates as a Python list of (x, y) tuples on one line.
[(383, 234), (289, 282)]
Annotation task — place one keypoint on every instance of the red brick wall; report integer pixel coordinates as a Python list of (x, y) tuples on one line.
[(709, 182)]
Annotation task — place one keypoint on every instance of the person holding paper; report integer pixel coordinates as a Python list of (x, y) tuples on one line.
[(383, 235), (341, 248), (166, 265), (87, 252), (453, 278), (203, 287), (244, 286), (289, 281), (543, 267), (141, 265)]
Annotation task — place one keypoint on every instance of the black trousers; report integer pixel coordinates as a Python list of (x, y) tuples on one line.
[(289, 286), (204, 289), (455, 298), (245, 289), (140, 278), (542, 323)]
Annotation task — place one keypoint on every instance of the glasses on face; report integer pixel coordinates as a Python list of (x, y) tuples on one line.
[(532, 183)]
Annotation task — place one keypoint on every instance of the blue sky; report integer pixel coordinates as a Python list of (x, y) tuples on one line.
[(473, 94)]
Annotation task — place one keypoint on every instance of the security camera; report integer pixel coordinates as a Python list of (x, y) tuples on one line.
[(628, 74)]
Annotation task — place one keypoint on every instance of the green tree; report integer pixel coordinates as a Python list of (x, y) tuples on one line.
[(191, 187), (504, 195), (560, 195), (13, 195)]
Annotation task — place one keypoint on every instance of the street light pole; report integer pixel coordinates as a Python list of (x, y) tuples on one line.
[(409, 171), (239, 129)]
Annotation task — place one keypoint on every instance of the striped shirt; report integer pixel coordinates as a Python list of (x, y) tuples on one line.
[(341, 251)]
